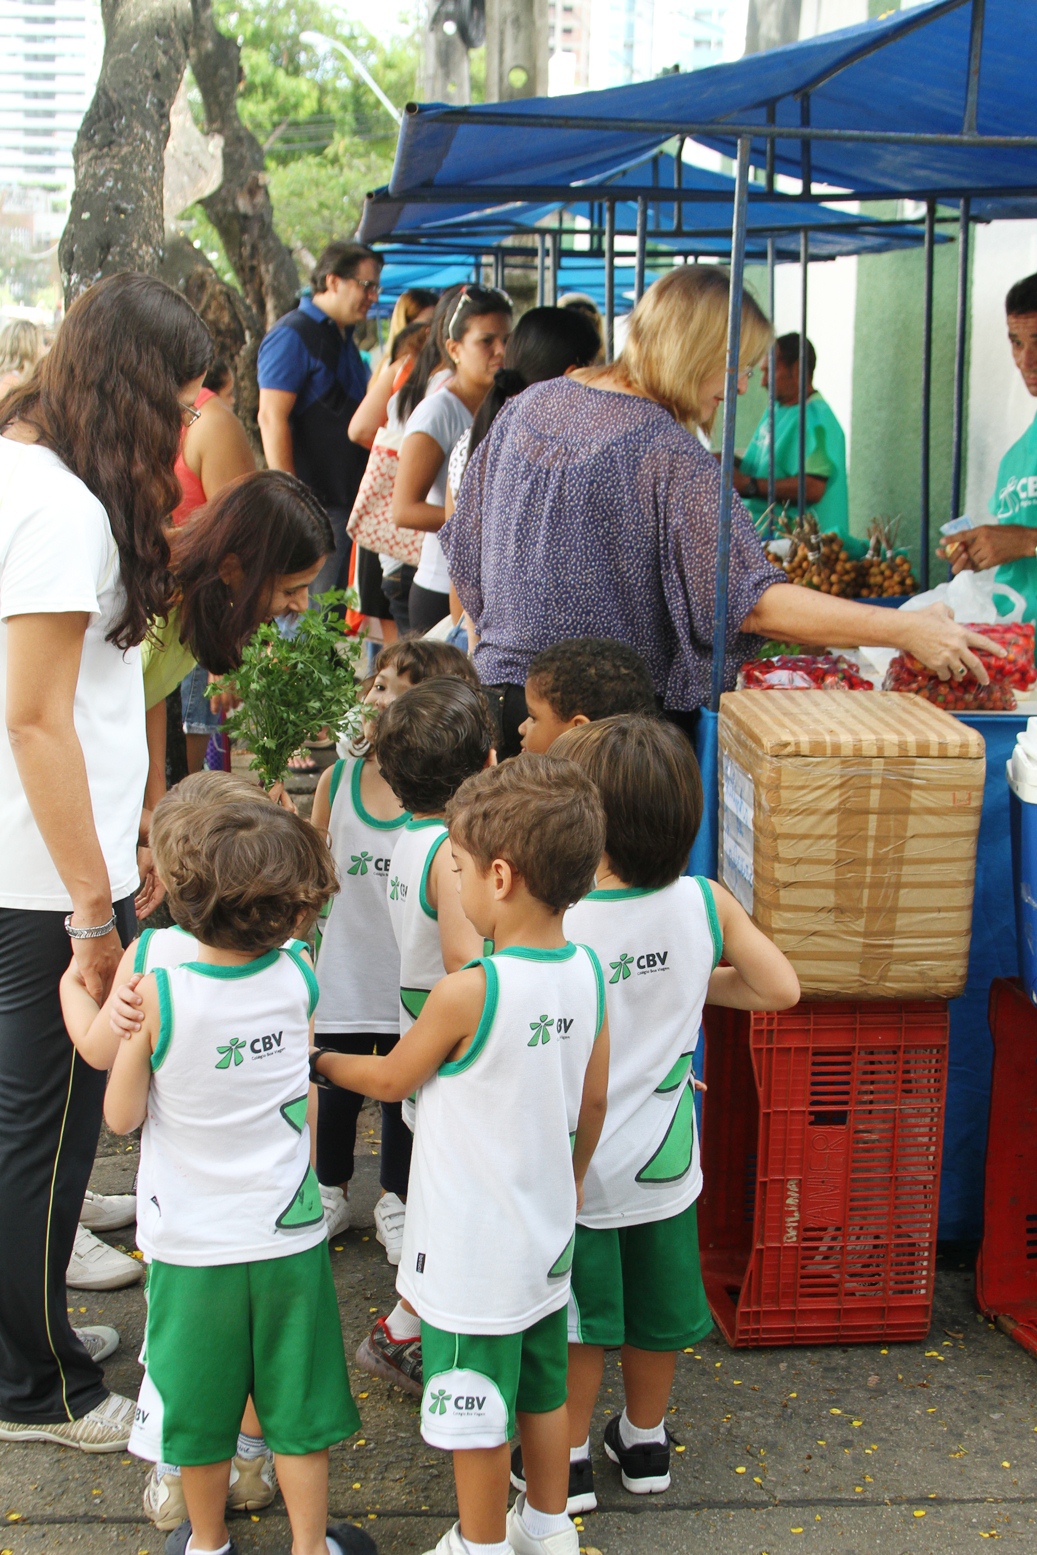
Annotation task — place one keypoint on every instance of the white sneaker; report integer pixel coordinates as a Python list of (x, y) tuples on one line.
[(104, 1429), (96, 1266), (451, 1543), (99, 1342), (389, 1215), (164, 1502), (253, 1483), (565, 1542), (336, 1209), (108, 1211)]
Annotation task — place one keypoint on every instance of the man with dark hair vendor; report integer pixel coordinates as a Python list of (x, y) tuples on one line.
[(311, 380), (826, 494), (1010, 543)]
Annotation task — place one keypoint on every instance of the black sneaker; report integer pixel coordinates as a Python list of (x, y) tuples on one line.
[(396, 1360), (177, 1541), (581, 1483), (644, 1469)]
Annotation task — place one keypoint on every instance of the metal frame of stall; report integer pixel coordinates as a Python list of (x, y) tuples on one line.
[(806, 134)]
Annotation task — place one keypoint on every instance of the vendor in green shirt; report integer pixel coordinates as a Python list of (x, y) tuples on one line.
[(1010, 544), (825, 447)]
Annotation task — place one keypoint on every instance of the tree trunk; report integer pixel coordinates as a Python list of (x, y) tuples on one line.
[(115, 222), (240, 209), (233, 325)]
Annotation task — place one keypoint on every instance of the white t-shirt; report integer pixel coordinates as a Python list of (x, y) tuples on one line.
[(57, 556), (444, 417)]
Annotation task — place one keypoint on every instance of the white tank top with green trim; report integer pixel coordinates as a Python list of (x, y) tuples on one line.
[(174, 946), (658, 949), (491, 1207), (415, 922), (358, 962), (225, 1173)]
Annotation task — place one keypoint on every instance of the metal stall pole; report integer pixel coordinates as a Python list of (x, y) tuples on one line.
[(727, 456), (678, 183), (556, 243), (801, 476), (771, 401), (927, 393), (959, 355), (642, 236), (541, 268), (610, 279)]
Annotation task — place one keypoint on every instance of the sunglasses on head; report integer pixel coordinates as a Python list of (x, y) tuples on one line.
[(481, 299)]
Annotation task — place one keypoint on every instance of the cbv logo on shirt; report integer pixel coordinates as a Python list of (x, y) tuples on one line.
[(542, 1028), (364, 862), (233, 1052), (1017, 492), (397, 889), (648, 961)]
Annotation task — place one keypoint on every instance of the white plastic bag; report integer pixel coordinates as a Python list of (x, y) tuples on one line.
[(971, 597)]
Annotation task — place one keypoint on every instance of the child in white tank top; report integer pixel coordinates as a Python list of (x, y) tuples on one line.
[(233, 1225), (358, 960), (428, 741), (636, 1279), (509, 1057)]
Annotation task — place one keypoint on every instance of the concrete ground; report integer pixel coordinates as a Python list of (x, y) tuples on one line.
[(909, 1449)]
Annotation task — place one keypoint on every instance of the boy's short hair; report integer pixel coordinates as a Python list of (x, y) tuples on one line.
[(646, 773), (422, 658), (595, 676), (542, 815), (240, 876), (430, 739), (216, 788)]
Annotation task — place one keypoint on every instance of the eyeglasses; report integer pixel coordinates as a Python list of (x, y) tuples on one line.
[(189, 414), (369, 288), (482, 299)]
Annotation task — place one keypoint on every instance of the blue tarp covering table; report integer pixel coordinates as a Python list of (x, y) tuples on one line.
[(993, 954)]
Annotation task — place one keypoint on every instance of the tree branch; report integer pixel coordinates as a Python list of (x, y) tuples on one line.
[(115, 222), (240, 209)]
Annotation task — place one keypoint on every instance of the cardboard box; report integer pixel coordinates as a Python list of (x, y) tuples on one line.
[(848, 825)]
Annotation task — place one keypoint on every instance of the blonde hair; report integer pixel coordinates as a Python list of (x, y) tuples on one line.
[(405, 310), (21, 346), (677, 339)]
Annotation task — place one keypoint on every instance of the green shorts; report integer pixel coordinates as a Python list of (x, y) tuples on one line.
[(639, 1285), (269, 1328), (476, 1383)]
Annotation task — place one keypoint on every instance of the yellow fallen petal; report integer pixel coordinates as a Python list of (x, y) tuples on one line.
[(859, 1489), (793, 1395), (868, 1480), (919, 1513), (795, 1530), (820, 1443), (883, 1352), (740, 1470), (757, 1480), (857, 1423), (835, 1411), (930, 1411), (362, 1395), (357, 1485), (678, 1449), (736, 1382), (1005, 1464)]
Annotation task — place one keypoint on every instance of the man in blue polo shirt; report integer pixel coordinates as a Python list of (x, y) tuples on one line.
[(311, 380)]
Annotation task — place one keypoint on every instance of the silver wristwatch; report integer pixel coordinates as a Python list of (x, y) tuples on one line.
[(98, 933)]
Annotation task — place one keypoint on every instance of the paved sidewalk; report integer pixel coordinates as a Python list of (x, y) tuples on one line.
[(923, 1450)]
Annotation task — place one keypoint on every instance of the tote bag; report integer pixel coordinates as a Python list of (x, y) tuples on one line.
[(371, 523)]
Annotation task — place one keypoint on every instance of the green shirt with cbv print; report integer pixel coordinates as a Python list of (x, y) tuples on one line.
[(1015, 502)]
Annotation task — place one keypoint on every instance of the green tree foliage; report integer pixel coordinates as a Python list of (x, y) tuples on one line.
[(327, 138)]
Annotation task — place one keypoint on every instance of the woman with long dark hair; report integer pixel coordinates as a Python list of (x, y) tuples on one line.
[(87, 449), (245, 557), (477, 326)]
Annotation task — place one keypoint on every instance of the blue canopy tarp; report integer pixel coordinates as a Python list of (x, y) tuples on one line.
[(702, 226), (907, 74)]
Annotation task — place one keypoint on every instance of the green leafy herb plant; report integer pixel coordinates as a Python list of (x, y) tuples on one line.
[(292, 687)]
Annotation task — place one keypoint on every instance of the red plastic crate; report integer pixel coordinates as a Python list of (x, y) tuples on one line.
[(1006, 1272), (822, 1135)]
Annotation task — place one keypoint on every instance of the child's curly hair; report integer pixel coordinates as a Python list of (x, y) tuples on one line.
[(240, 876)]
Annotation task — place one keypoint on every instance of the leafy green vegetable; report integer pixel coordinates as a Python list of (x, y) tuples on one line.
[(292, 687)]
